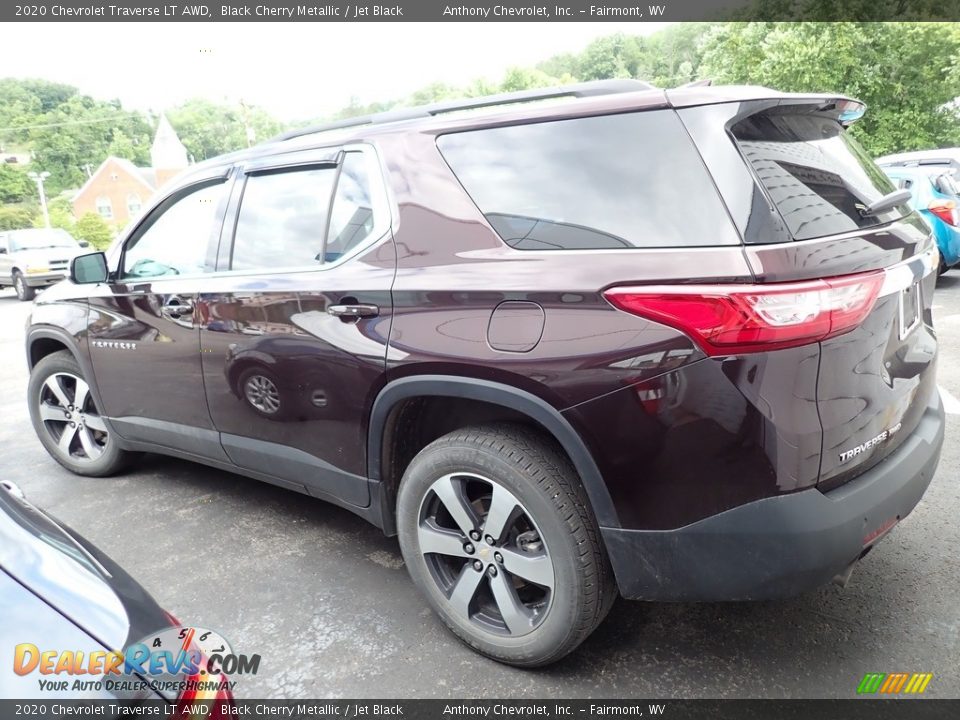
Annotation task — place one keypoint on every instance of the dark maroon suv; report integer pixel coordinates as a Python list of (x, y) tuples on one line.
[(675, 344)]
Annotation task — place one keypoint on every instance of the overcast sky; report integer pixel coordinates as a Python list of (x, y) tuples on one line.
[(295, 70)]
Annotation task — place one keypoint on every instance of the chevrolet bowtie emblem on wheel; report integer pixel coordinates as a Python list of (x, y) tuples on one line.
[(863, 447)]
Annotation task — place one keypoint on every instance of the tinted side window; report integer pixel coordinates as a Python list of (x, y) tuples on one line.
[(351, 220), (175, 239), (283, 218), (815, 172), (615, 181)]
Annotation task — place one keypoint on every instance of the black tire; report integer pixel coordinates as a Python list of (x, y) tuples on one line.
[(25, 293), (50, 423), (550, 500)]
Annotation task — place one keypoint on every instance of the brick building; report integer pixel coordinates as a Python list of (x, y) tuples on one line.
[(118, 189)]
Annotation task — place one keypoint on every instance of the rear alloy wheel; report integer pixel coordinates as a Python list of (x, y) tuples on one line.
[(24, 291), (496, 532), (485, 554), (66, 418)]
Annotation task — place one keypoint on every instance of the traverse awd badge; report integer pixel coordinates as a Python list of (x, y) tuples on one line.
[(863, 447)]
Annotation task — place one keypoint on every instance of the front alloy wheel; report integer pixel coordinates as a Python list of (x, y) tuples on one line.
[(70, 417), (67, 420)]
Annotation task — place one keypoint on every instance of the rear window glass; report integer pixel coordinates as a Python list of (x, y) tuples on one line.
[(614, 181), (815, 172)]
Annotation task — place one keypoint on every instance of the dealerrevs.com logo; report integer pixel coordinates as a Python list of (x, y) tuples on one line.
[(178, 659)]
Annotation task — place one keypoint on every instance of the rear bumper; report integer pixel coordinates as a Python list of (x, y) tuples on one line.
[(779, 546)]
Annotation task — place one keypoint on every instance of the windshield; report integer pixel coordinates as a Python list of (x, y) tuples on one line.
[(36, 239)]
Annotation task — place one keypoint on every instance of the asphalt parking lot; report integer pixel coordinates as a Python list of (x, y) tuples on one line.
[(325, 600)]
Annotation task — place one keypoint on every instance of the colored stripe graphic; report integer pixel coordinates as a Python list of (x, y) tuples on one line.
[(919, 681), (894, 683), (870, 683)]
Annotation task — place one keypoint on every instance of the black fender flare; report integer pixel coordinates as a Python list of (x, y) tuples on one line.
[(40, 332), (524, 402)]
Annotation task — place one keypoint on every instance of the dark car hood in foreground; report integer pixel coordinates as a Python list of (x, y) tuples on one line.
[(73, 577)]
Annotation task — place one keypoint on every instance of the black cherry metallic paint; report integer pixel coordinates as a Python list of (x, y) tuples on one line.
[(693, 465)]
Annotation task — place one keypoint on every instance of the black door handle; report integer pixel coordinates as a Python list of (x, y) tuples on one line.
[(353, 311)]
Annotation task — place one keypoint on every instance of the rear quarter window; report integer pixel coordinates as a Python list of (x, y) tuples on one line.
[(631, 180)]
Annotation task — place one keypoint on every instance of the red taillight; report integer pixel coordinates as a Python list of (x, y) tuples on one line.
[(734, 319), (946, 210)]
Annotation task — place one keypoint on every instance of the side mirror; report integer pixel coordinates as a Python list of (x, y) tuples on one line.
[(89, 269), (3, 251), (83, 243), (12, 488)]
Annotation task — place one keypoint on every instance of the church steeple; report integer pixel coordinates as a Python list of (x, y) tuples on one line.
[(167, 152)]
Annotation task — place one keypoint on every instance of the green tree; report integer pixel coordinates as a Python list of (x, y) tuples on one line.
[(24, 101), (518, 78), (15, 217), (60, 210), (667, 58), (356, 108), (838, 10), (15, 186), (906, 73), (94, 229), (83, 131), (608, 57), (208, 129), (435, 92)]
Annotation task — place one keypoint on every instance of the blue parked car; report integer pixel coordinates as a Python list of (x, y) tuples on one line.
[(936, 196)]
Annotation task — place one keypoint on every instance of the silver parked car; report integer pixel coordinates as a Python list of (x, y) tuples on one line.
[(36, 258)]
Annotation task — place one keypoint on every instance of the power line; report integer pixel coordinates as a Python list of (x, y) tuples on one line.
[(61, 124)]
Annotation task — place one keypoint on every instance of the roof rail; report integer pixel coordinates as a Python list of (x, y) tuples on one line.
[(579, 90)]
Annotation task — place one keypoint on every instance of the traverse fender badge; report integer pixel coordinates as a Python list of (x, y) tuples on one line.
[(114, 344)]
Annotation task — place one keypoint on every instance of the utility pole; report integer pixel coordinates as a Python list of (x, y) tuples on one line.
[(38, 178), (250, 133)]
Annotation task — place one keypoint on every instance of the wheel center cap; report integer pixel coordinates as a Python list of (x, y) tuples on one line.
[(484, 552)]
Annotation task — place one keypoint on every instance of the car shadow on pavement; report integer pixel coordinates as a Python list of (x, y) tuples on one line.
[(948, 280), (773, 639), (832, 630)]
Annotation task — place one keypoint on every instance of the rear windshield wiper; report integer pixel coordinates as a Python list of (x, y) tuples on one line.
[(887, 202)]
